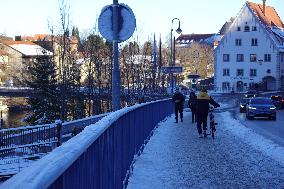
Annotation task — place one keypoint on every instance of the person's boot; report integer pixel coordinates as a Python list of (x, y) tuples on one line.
[(176, 120), (181, 119), (204, 133)]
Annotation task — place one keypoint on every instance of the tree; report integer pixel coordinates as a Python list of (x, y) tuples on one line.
[(43, 81)]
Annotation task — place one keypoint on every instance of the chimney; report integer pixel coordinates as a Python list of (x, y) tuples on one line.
[(263, 7)]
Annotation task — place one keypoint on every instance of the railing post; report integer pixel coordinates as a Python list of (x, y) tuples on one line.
[(58, 124)]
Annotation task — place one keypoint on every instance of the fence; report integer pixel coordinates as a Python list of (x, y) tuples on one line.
[(100, 156), (20, 146)]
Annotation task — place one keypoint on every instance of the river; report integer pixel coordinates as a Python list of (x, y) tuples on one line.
[(13, 110)]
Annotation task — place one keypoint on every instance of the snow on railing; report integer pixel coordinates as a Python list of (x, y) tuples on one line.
[(18, 145), (100, 156)]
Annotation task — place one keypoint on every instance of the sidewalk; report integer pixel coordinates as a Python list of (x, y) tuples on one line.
[(176, 158)]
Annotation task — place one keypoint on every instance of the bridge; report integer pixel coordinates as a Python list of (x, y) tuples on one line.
[(108, 154)]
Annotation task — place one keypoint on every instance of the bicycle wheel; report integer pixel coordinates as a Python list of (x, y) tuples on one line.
[(213, 130)]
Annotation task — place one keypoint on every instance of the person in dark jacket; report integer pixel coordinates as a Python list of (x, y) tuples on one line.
[(202, 108), (192, 101), (178, 99)]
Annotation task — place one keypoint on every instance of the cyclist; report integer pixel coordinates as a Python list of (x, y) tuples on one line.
[(202, 108), (178, 99)]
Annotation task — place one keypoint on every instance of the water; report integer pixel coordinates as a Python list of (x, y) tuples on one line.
[(13, 116)]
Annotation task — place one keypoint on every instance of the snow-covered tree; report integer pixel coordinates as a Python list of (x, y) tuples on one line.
[(45, 102)]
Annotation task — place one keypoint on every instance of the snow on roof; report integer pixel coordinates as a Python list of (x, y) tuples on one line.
[(31, 50), (278, 31), (28, 48)]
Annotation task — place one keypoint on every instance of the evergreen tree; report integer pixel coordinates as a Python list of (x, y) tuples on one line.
[(45, 103)]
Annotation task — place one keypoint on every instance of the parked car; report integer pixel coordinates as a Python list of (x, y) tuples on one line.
[(261, 107), (251, 94), (243, 104), (278, 101)]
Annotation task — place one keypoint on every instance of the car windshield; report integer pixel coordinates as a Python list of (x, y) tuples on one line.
[(260, 101)]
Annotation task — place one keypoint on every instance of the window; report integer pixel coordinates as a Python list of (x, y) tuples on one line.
[(254, 42), (240, 72), (238, 42), (252, 72), (226, 57), (225, 85), (238, 28), (226, 72), (240, 57), (267, 58), (254, 28), (268, 71), (253, 57), (246, 29)]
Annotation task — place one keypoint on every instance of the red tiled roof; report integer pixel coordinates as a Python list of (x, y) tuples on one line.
[(270, 18), (18, 43)]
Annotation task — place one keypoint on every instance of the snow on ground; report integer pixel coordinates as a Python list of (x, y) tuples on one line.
[(175, 157)]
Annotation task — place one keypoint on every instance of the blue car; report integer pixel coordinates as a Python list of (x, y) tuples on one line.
[(261, 107)]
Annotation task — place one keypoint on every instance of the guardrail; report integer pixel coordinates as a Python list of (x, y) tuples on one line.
[(18, 146), (100, 156)]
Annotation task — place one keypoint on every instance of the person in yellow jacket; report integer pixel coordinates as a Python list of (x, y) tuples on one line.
[(202, 108)]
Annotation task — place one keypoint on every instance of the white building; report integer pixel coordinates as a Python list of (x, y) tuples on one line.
[(251, 53)]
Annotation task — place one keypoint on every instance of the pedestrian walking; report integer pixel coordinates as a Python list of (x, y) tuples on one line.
[(178, 100), (202, 108), (192, 101)]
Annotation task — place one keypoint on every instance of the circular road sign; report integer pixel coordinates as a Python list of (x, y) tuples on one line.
[(126, 22)]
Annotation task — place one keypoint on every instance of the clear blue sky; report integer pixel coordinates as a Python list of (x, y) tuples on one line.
[(28, 17)]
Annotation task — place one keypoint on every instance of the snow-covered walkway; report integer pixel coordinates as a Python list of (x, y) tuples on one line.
[(176, 158)]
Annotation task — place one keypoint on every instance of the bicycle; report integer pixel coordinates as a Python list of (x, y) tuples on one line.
[(212, 123)]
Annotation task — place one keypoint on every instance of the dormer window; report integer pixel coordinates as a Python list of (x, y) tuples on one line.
[(246, 29), (254, 28)]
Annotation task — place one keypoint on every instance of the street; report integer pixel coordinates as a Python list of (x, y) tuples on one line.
[(273, 130)]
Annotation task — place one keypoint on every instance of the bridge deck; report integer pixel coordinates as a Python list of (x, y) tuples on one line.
[(175, 157)]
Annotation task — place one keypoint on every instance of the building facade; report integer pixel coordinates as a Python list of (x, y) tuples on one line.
[(251, 53), (16, 58)]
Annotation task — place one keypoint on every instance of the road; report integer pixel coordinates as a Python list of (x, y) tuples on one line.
[(273, 130)]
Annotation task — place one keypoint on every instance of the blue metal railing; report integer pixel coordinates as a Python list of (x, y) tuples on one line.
[(98, 157), (20, 145)]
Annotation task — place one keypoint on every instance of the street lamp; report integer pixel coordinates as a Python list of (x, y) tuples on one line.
[(178, 30)]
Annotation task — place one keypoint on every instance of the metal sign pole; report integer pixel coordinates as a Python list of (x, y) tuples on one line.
[(172, 75), (115, 69)]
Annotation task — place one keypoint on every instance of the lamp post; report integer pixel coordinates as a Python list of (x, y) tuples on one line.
[(178, 30)]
